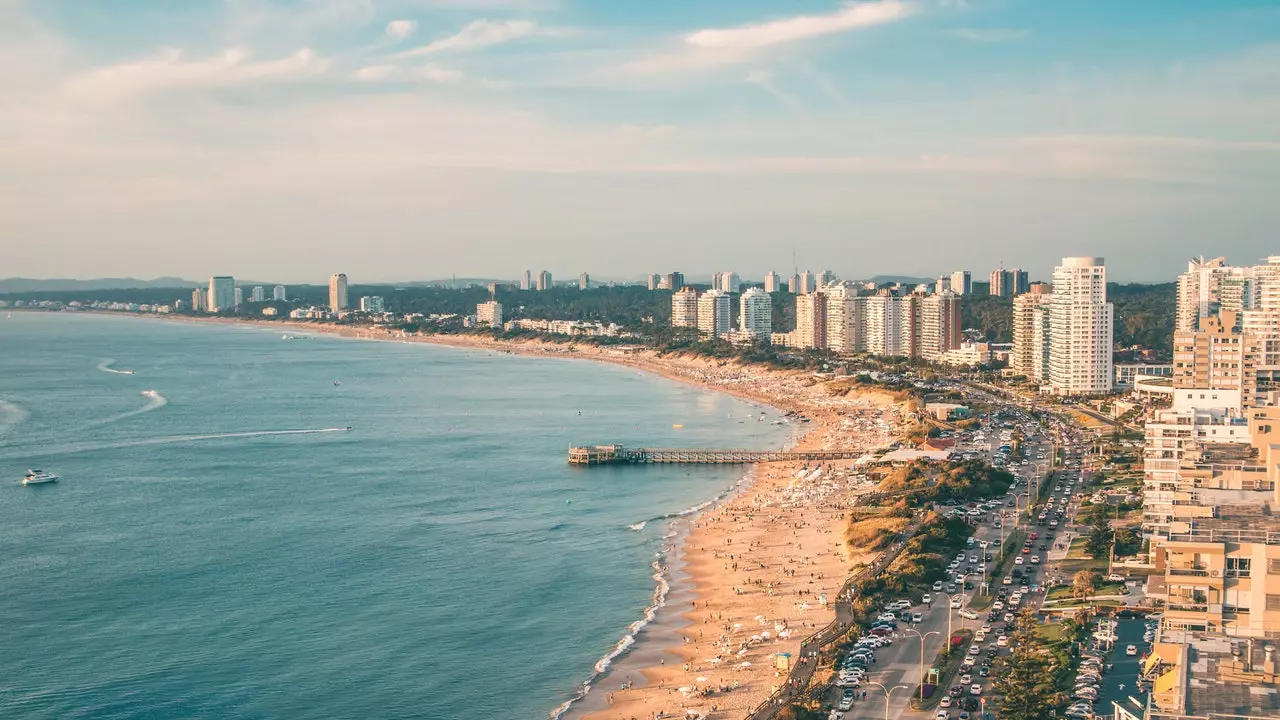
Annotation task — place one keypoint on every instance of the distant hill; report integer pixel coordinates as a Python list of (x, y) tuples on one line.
[(20, 285)]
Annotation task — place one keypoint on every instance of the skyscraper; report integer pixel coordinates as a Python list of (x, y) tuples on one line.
[(544, 280), (793, 284), (755, 313), (238, 297), (729, 282), (808, 283), (939, 324), (338, 292), (943, 284), (684, 308), (1080, 328), (675, 281), (279, 294), (961, 282), (1220, 355), (884, 324), (222, 294), (1210, 285), (1021, 281), (200, 300), (772, 282), (259, 294), (1001, 283), (811, 320), (842, 329), (584, 281), (1028, 355), (526, 281), (655, 281), (713, 313)]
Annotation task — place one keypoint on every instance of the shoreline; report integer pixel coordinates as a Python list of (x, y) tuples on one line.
[(705, 589)]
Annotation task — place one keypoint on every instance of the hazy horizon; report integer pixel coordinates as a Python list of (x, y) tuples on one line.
[(427, 138)]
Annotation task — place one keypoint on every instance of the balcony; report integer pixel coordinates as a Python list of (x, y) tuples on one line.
[(1189, 571)]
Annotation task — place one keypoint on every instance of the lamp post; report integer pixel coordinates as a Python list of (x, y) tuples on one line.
[(922, 637), (888, 693)]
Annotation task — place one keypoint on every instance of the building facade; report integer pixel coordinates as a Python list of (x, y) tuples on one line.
[(961, 282), (1001, 283), (489, 313), (338, 292), (372, 304), (222, 294), (259, 294), (713, 313), (755, 313), (1080, 328), (841, 318), (584, 281), (684, 308), (811, 320), (1030, 356), (675, 281), (884, 324), (544, 281), (939, 324), (280, 294), (772, 282)]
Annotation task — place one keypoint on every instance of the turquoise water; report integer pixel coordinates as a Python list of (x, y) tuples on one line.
[(439, 560)]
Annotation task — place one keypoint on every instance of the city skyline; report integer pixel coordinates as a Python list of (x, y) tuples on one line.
[(481, 138)]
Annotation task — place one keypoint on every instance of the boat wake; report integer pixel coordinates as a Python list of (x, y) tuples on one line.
[(155, 401), (602, 665), (105, 366), (170, 440)]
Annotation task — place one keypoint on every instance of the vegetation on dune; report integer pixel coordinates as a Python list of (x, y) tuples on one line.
[(953, 480)]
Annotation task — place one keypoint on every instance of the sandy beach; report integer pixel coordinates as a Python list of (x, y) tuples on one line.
[(764, 565)]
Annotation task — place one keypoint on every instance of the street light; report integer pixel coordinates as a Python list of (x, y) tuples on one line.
[(888, 693), (922, 637)]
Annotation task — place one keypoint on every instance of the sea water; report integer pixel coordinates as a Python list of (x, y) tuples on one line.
[(221, 545)]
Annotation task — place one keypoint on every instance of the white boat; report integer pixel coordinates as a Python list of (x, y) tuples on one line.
[(38, 477), (1131, 650)]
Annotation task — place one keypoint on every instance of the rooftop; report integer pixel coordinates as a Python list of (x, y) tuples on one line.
[(1228, 676)]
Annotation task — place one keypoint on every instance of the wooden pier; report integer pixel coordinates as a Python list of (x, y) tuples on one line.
[(619, 455)]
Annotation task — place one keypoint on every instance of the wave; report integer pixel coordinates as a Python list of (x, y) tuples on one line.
[(659, 600), (695, 509), (638, 526), (169, 440), (155, 401), (105, 366)]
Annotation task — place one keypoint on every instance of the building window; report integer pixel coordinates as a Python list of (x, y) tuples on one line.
[(1273, 602), (1238, 567), (1273, 566)]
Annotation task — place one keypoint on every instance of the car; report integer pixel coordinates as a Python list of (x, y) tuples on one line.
[(974, 650), (927, 599), (1002, 641), (846, 700), (1007, 581), (979, 636), (1026, 549), (975, 689), (951, 589), (1017, 560), (945, 702), (1115, 577), (1035, 559), (898, 605), (955, 602), (917, 617), (887, 617), (984, 671), (973, 558), (968, 614), (966, 679), (997, 605), (955, 691)]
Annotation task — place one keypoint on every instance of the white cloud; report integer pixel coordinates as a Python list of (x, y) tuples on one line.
[(375, 73), (988, 35), (170, 70), (482, 33), (715, 47), (400, 29), (801, 27), (440, 75)]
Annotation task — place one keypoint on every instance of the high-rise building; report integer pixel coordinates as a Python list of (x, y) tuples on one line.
[(544, 281), (372, 304), (584, 281), (338, 292), (684, 308), (910, 337), (222, 294), (1198, 290), (1001, 283), (755, 313), (279, 294), (729, 282), (713, 313), (238, 297), (811, 320), (842, 318), (259, 294), (655, 281), (808, 283), (884, 324), (772, 282), (675, 281), (961, 282), (942, 284), (793, 284), (489, 313), (200, 300), (1220, 356), (827, 278), (1028, 355), (939, 324), (1080, 328), (1021, 281), (526, 281)]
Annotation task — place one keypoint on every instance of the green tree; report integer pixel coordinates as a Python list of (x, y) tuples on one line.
[(1099, 543), (1024, 681)]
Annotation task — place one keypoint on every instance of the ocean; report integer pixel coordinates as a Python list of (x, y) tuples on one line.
[(220, 545)]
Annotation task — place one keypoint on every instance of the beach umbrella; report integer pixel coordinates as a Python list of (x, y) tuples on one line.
[(686, 689), (745, 665)]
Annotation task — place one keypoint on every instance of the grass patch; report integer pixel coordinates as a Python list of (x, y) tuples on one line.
[(873, 533), (1051, 633), (1065, 592), (1078, 549)]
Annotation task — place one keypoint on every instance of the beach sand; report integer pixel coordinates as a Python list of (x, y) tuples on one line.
[(764, 565)]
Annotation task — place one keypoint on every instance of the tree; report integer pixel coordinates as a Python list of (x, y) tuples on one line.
[(1099, 543), (1083, 584), (1024, 687)]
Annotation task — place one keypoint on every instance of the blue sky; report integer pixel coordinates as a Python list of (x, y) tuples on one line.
[(413, 139)]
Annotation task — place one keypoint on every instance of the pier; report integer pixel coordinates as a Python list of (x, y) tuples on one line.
[(619, 455)]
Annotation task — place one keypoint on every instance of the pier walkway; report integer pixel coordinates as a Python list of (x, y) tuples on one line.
[(619, 455)]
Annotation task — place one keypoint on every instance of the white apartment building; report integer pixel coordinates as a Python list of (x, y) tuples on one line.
[(239, 297), (544, 280), (939, 324), (961, 282), (222, 294), (713, 313), (1029, 355), (489, 313), (727, 282), (259, 294), (684, 308), (772, 282), (1201, 289), (884, 324), (372, 304), (1080, 328), (842, 318), (584, 281), (808, 283), (755, 313), (526, 281), (279, 294), (338, 292)]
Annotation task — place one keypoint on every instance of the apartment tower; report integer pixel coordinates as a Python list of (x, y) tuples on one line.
[(338, 292), (1080, 328)]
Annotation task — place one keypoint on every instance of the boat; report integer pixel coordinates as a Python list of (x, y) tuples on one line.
[(39, 477), (1131, 650)]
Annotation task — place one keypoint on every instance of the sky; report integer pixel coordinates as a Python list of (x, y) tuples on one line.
[(418, 139)]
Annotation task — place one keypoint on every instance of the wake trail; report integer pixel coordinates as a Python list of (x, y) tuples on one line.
[(105, 366), (155, 401), (170, 440)]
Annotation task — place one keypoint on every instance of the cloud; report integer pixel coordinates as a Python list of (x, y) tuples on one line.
[(431, 73), (170, 70), (801, 27), (764, 79), (482, 33), (400, 29), (714, 47), (988, 35), (440, 75)]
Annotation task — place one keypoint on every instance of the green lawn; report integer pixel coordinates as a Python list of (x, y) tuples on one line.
[(1051, 633), (1063, 592)]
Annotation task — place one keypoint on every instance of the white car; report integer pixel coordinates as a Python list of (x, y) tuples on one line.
[(997, 606), (1017, 560), (955, 602), (1002, 641), (927, 599), (1035, 559)]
